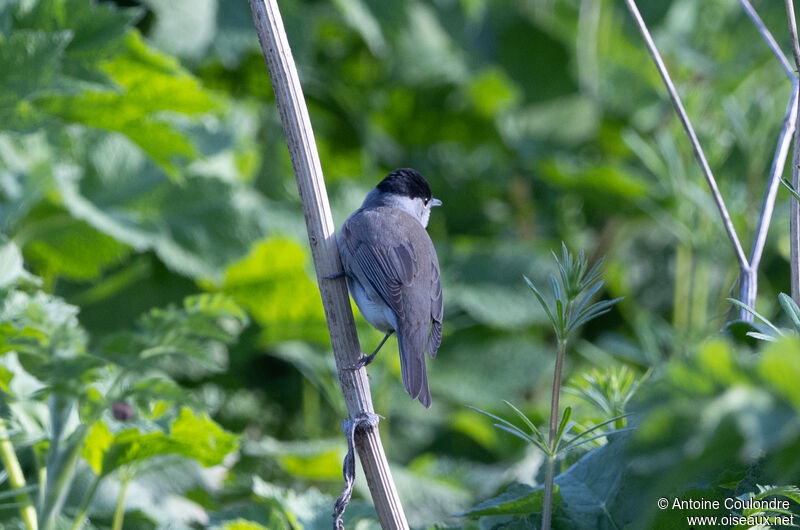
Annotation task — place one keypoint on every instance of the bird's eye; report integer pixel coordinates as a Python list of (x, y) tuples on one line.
[(425, 201)]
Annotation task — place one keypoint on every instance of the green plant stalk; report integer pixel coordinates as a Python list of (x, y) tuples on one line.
[(16, 479), (58, 486), (547, 501), (85, 505), (119, 511), (683, 288)]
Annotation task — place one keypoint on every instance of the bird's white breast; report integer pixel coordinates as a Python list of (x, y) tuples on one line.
[(372, 307)]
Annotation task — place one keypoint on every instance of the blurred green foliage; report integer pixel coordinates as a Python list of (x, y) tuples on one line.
[(151, 228)]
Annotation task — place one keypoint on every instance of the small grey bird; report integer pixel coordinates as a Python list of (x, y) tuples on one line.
[(393, 273)]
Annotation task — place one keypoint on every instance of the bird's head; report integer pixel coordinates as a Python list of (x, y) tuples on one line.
[(406, 190)]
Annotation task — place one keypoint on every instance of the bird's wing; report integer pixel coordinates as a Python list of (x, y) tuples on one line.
[(437, 308), (385, 268)]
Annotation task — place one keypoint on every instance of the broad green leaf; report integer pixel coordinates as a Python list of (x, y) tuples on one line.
[(29, 61), (97, 32), (97, 443), (519, 499), (191, 436), (189, 342), (40, 325), (150, 84), (273, 284), (196, 228), (71, 248), (308, 460)]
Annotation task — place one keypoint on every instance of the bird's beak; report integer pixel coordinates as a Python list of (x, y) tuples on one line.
[(435, 202)]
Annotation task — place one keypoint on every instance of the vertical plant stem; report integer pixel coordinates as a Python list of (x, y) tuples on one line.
[(16, 479), (683, 289), (85, 505), (794, 205), (119, 511), (547, 500), (321, 236), (60, 472), (547, 506)]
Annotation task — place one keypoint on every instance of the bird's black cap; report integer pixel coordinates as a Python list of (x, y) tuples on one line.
[(406, 182)]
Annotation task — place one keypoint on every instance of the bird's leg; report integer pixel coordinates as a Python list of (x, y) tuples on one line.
[(366, 359)]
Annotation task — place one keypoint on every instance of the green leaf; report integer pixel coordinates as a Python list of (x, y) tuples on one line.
[(41, 326), (540, 298), (518, 499), (506, 425), (756, 314), (788, 185), (150, 84), (191, 436), (534, 430), (97, 443), (12, 269), (273, 285), (188, 342), (29, 61), (196, 228), (71, 248), (563, 425), (791, 309)]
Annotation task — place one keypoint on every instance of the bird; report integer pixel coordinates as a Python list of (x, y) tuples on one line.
[(392, 272)]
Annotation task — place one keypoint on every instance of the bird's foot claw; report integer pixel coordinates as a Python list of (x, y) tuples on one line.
[(363, 361)]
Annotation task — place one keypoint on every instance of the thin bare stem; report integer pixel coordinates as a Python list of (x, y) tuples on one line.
[(778, 165), (687, 126), (319, 224), (547, 501), (793, 31), (771, 42), (794, 205)]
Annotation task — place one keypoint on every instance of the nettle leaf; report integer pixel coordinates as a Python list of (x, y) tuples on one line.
[(68, 247), (29, 61), (165, 338), (273, 284), (196, 228), (40, 325), (96, 31), (150, 85), (97, 443), (196, 437), (518, 499)]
